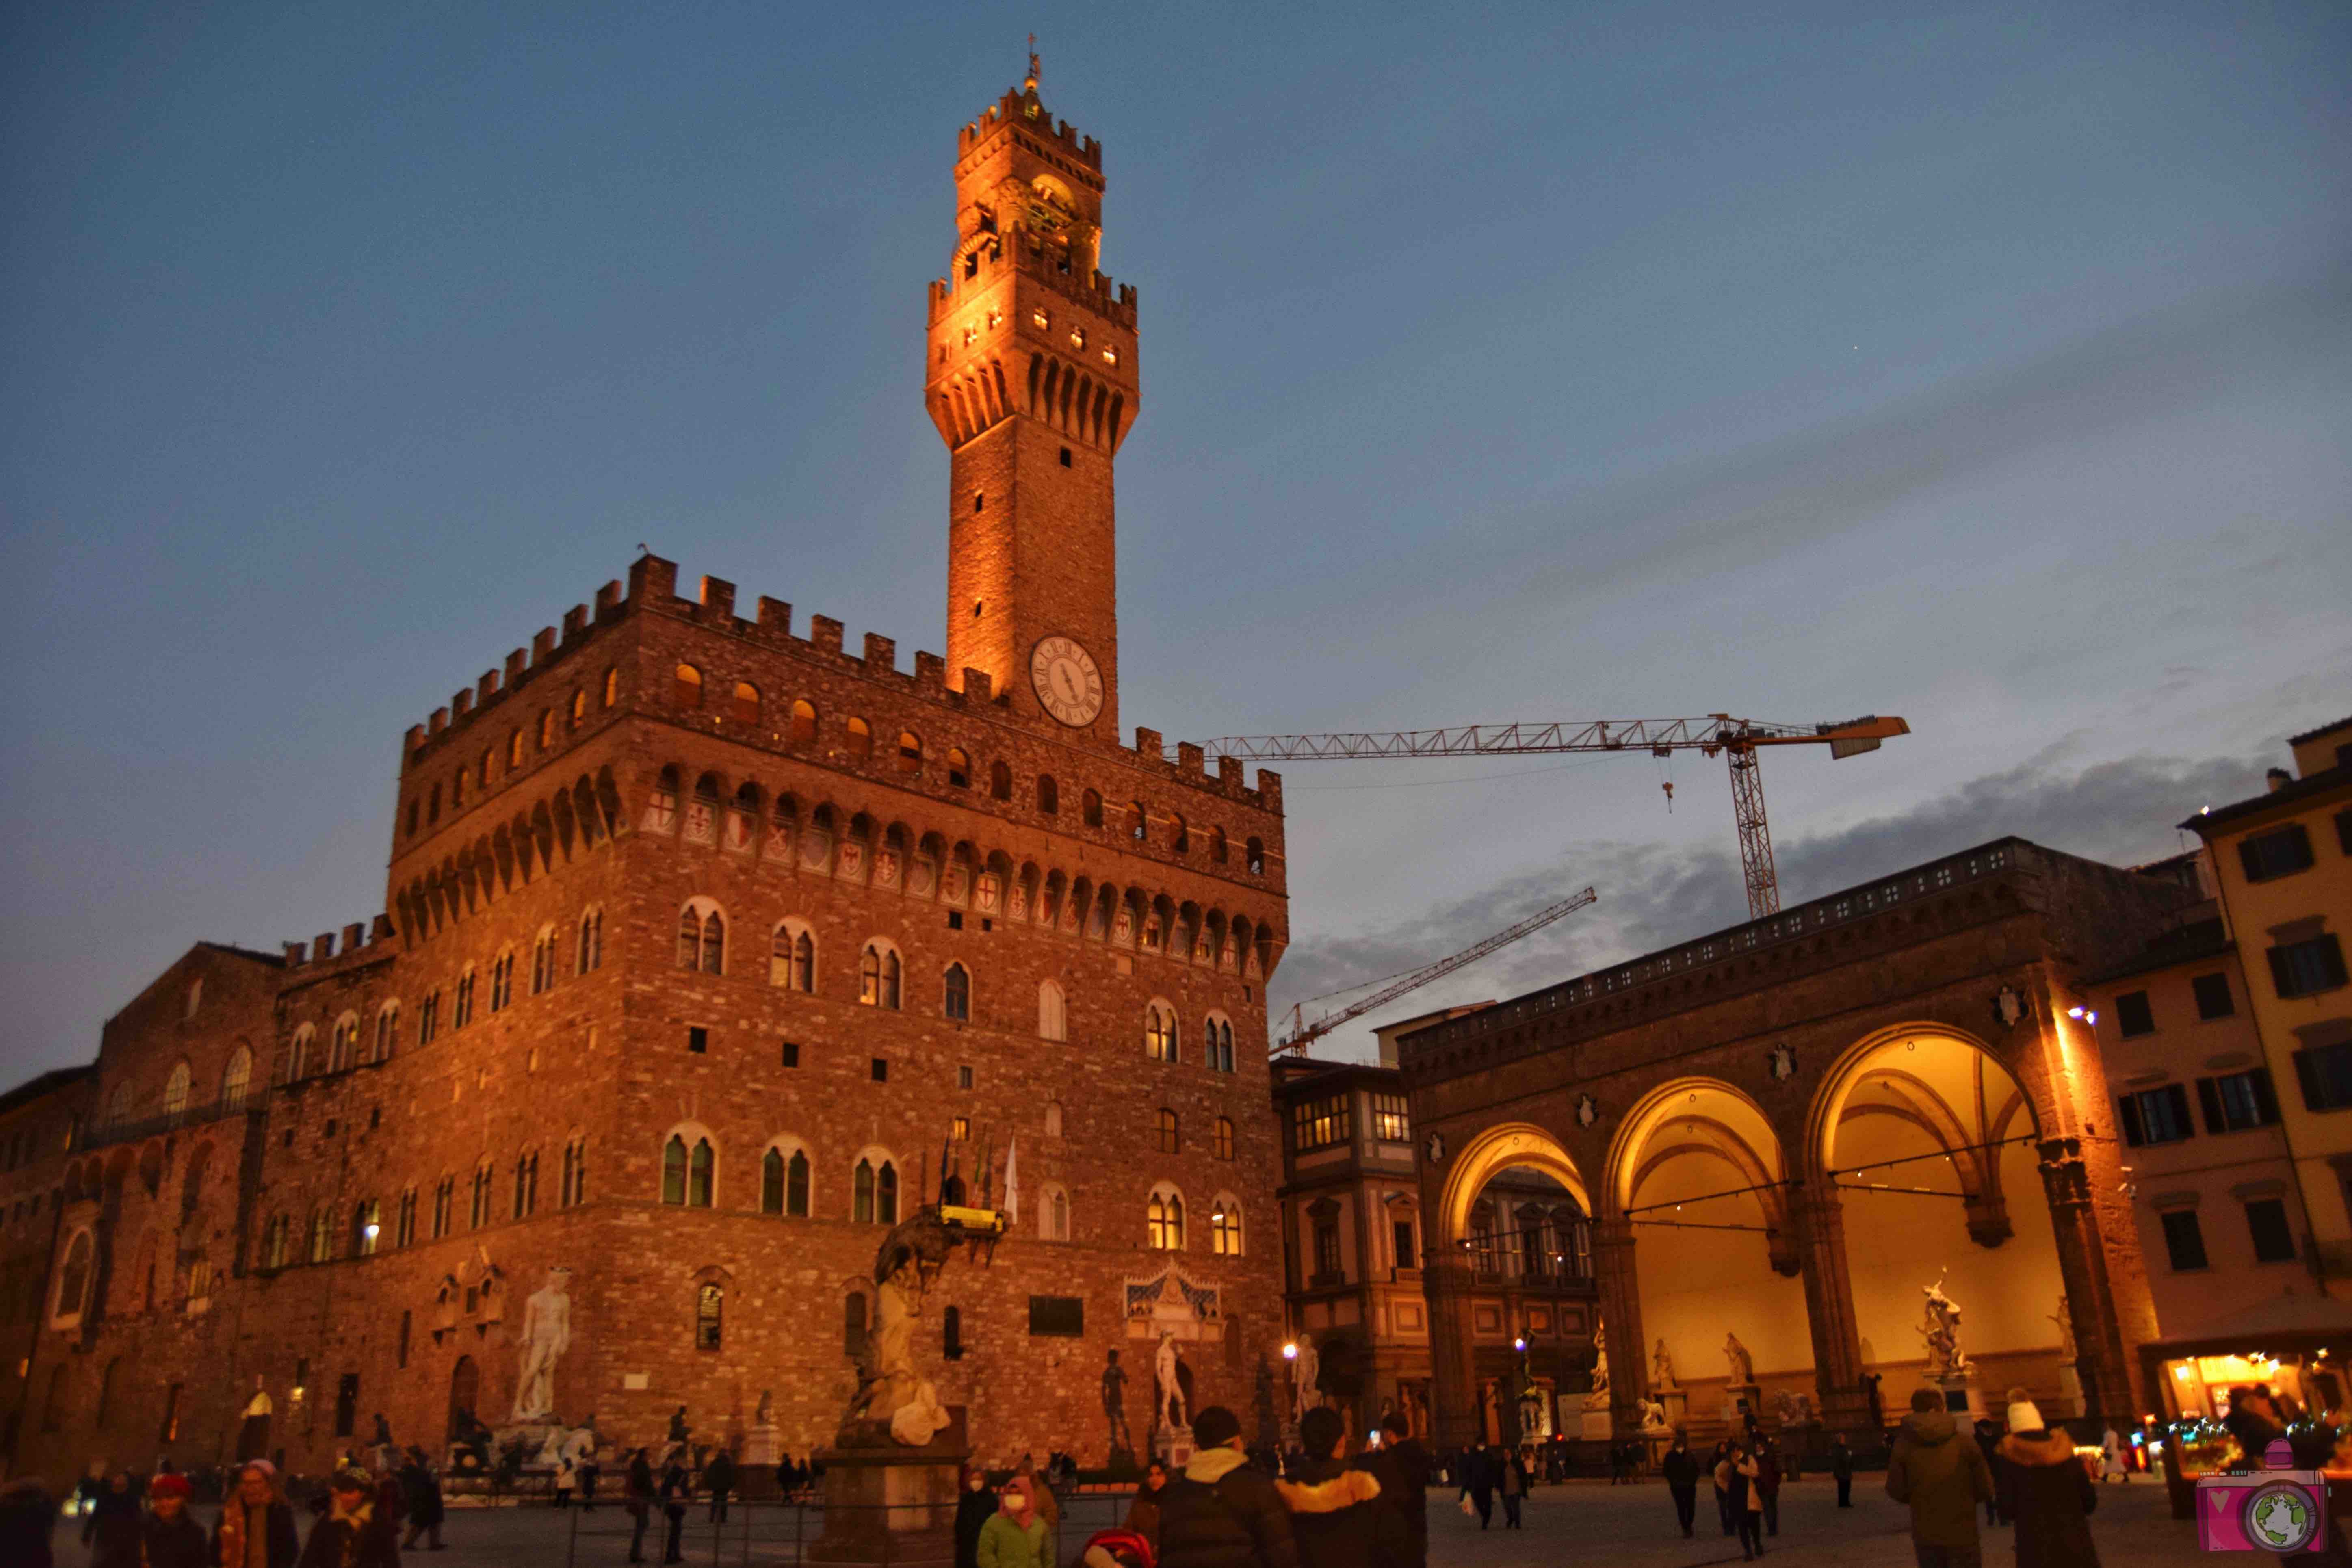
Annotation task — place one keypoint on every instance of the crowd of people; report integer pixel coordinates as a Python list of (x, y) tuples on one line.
[(134, 1521)]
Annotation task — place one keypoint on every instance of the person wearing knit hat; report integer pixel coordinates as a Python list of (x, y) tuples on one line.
[(169, 1538), (2045, 1492)]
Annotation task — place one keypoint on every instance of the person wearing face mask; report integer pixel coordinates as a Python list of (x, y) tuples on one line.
[(1014, 1537), (974, 1506), (1680, 1467), (257, 1525)]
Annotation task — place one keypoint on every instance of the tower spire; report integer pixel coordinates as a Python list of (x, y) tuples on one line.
[(1030, 85)]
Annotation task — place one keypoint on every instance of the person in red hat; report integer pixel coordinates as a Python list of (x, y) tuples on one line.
[(171, 1539)]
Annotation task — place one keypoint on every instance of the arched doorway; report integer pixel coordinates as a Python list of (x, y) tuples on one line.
[(1698, 1177), (465, 1393), (1510, 1279), (1929, 1145)]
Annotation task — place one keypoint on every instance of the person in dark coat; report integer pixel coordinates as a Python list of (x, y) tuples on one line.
[(1337, 1514), (111, 1529), (1935, 1470), (420, 1489), (638, 1499), (355, 1532), (1221, 1512), (589, 1470), (28, 1524), (1143, 1511), (1478, 1479), (2045, 1492), (169, 1537), (1767, 1484), (1680, 1467), (1842, 1470), (1734, 1474), (676, 1491), (1511, 1485), (1716, 1473), (1988, 1437), (1402, 1467), (974, 1503), (256, 1508), (719, 1475)]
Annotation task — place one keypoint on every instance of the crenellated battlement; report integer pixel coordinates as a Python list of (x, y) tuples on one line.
[(651, 589), (1020, 113), (320, 955), (987, 258)]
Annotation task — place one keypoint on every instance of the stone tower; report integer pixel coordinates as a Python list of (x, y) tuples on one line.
[(1032, 383)]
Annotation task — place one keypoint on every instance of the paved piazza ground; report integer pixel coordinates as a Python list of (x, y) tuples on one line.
[(1581, 1521)]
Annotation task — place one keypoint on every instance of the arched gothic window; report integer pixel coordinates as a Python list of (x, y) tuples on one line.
[(959, 768), (345, 1050), (237, 1080), (1225, 1226), (710, 1307), (1049, 795), (878, 972), (387, 1030), (1159, 1032), (592, 942), (874, 1192), (746, 706), (1217, 1042), (502, 980), (687, 1173), (804, 730), (1164, 1221), (957, 993), (1224, 1137), (1166, 1126), (702, 937), (1217, 844), (686, 688), (322, 1238), (785, 1183), (175, 1091), (1053, 1012), (791, 958), (543, 963), (611, 688)]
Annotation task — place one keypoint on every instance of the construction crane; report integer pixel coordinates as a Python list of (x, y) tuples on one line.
[(1301, 1034), (1738, 738)]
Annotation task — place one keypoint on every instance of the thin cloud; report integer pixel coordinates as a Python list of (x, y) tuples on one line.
[(1654, 896)]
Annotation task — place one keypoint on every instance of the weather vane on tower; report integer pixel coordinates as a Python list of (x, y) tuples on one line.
[(1030, 85)]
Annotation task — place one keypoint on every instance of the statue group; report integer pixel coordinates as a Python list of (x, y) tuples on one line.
[(1941, 1330)]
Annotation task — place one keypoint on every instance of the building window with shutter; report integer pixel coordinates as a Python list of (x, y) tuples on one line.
[(2133, 1015), (2238, 1100), (2214, 1000), (2307, 968), (2266, 1222), (2324, 1073), (2184, 1242), (2272, 855), (2157, 1115)]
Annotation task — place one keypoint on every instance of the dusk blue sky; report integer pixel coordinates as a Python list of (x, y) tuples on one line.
[(1990, 366)]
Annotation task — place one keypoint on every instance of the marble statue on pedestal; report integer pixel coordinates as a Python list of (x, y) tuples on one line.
[(1653, 1416), (1309, 1371), (1941, 1330), (546, 1335), (1743, 1365), (1171, 1411), (1662, 1367), (892, 1390)]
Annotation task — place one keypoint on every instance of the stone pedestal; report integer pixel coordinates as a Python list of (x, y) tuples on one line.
[(1172, 1447), (1741, 1401), (2070, 1390), (1963, 1396), (762, 1447), (887, 1503), (1594, 1425), (1677, 1404)]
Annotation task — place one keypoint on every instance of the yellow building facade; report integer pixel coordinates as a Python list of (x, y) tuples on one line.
[(2281, 865)]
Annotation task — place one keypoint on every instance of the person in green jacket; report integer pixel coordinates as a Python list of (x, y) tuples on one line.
[(1942, 1474), (1014, 1537)]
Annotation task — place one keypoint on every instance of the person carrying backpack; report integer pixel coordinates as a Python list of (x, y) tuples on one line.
[(1221, 1512)]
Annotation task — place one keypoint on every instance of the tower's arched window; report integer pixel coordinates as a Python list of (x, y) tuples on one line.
[(1053, 1012), (702, 937), (542, 961), (1159, 1032), (1049, 795), (1257, 861), (689, 1171), (514, 750), (1168, 1142), (1139, 824), (1180, 838), (792, 957), (910, 752), (322, 1242), (458, 790), (804, 730), (1217, 846), (686, 688), (175, 1091), (387, 1030), (861, 738), (957, 993), (746, 706), (878, 972), (1217, 1043), (1090, 809), (999, 780), (346, 1045), (1225, 1137), (547, 729), (367, 1227), (611, 688), (578, 708), (959, 768), (592, 941)]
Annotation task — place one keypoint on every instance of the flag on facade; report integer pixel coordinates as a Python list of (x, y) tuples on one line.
[(1012, 1180)]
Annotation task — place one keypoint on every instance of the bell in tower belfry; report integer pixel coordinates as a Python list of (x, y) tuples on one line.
[(1030, 379)]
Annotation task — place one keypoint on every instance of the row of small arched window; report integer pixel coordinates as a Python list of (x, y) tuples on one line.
[(425, 807), (488, 1199)]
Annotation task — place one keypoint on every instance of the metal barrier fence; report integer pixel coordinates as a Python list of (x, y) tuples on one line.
[(770, 1534)]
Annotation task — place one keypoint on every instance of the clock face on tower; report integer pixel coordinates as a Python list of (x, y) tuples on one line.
[(1068, 681)]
